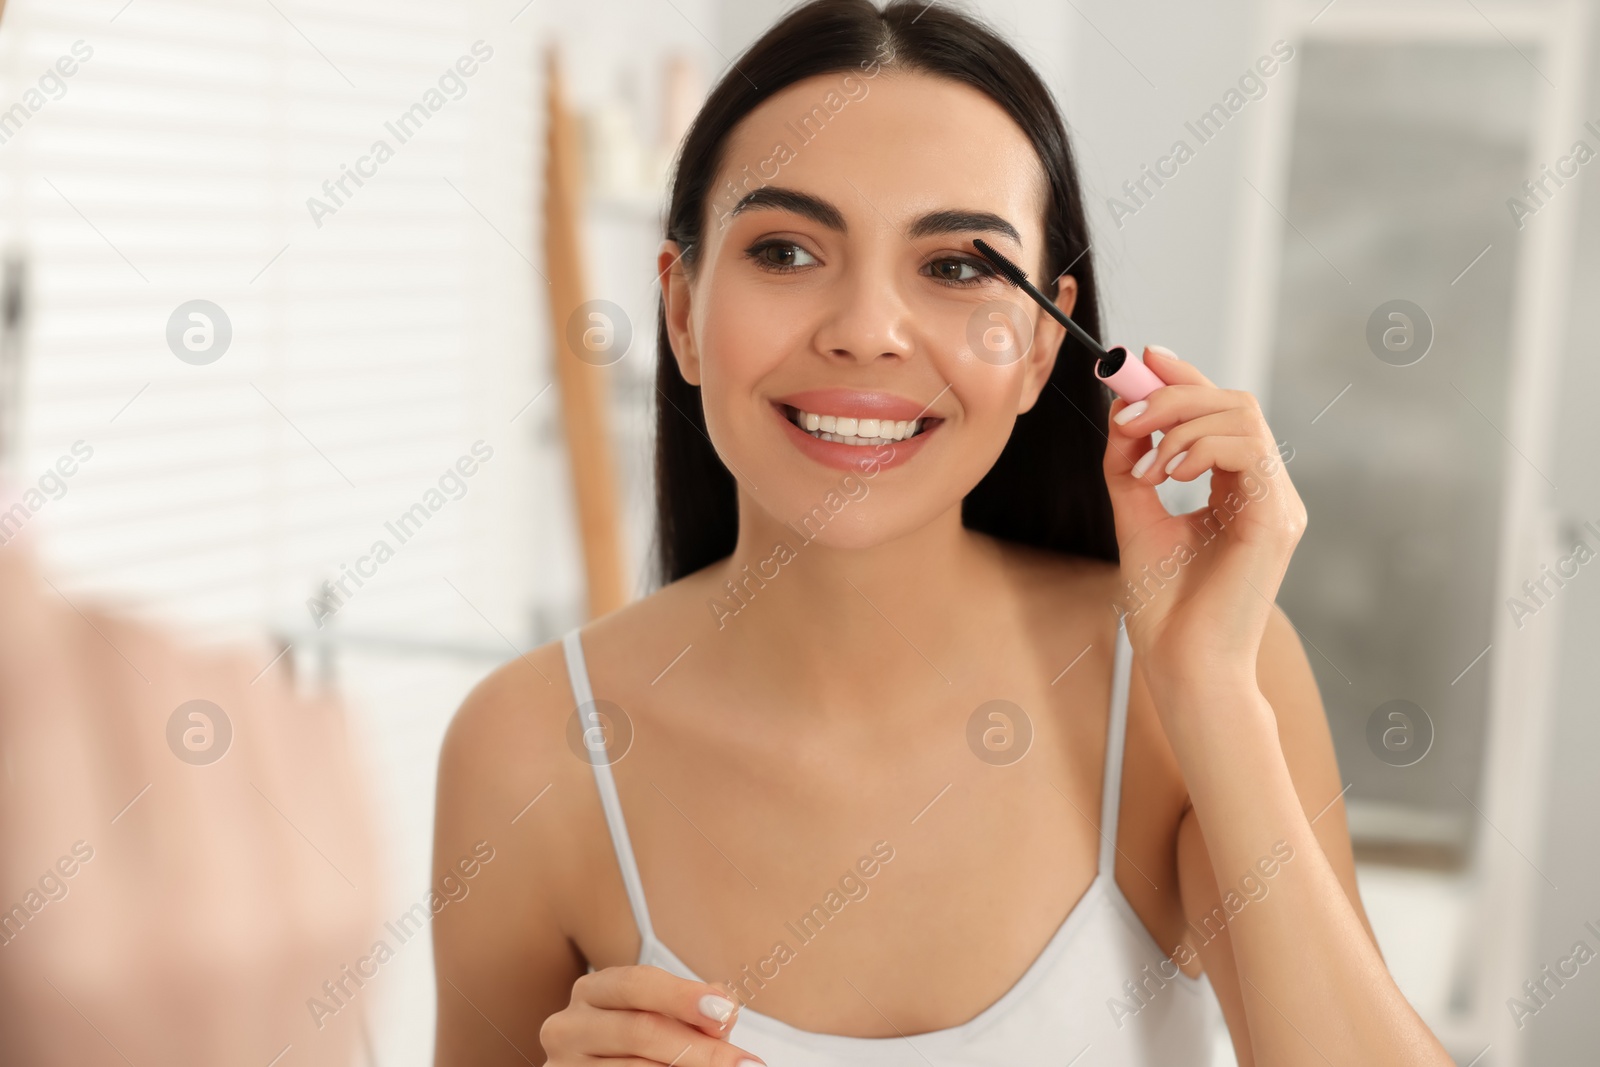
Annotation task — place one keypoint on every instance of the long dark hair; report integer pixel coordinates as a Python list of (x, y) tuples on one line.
[(1047, 488)]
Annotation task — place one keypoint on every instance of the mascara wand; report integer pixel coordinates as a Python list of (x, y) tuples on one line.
[(1128, 378)]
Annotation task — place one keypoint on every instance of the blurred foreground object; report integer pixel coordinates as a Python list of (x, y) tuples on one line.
[(185, 853)]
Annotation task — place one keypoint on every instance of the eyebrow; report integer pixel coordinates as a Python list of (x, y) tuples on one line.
[(820, 211)]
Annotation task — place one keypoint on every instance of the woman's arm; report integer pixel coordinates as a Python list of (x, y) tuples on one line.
[(1199, 593), (1284, 677), (1313, 986), (502, 963)]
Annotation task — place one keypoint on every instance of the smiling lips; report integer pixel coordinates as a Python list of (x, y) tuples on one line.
[(836, 426), (850, 431)]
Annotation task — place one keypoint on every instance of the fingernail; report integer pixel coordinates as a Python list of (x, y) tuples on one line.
[(750, 1063), (715, 1007), (1167, 352), (1144, 463), (1131, 412), (1173, 465)]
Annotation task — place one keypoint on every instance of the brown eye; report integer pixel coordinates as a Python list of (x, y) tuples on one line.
[(957, 271), (779, 255)]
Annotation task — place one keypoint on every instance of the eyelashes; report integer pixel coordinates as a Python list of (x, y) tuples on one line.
[(982, 266), (758, 254)]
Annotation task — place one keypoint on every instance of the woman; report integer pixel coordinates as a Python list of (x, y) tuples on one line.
[(856, 796)]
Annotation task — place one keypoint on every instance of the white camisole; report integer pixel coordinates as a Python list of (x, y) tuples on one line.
[(1098, 994)]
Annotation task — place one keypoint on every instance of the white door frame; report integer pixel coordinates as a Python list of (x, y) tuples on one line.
[(1498, 943)]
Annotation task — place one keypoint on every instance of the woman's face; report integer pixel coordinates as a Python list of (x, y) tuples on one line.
[(837, 287)]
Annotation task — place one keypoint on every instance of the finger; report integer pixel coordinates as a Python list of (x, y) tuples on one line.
[(1175, 404), (1209, 453), (1134, 502), (1172, 370), (1133, 497), (1183, 437), (1123, 448), (657, 1038), (698, 1004)]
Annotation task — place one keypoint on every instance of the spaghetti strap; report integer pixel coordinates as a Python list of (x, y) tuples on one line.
[(583, 696), (1053, 1009), (1116, 738)]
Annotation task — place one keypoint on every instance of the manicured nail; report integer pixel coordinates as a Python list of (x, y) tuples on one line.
[(1173, 464), (1144, 463), (715, 1007), (1131, 412), (1167, 352)]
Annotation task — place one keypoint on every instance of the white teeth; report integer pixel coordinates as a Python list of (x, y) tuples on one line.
[(856, 431)]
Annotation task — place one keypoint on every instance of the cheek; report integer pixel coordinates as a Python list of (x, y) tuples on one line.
[(988, 417), (743, 339), (988, 394), (745, 334)]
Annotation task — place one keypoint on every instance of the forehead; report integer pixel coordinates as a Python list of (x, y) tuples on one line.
[(887, 148)]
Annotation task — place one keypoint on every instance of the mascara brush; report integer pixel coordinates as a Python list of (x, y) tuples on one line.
[(1128, 377)]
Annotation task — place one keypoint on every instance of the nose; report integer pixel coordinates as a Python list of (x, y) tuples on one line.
[(867, 317)]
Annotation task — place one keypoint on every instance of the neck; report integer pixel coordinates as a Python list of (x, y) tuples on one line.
[(834, 627)]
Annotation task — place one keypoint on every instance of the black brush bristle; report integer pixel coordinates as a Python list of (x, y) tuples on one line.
[(1017, 277), (1013, 273)]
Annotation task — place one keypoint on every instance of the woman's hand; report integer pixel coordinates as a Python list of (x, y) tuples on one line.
[(193, 893), (1198, 587), (647, 1014)]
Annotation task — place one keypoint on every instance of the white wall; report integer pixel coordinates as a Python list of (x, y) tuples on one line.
[(1568, 1029)]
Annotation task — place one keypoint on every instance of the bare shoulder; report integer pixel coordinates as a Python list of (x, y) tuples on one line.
[(1064, 595), (506, 777), (521, 855), (500, 738), (1058, 569), (508, 796), (512, 764), (1285, 678)]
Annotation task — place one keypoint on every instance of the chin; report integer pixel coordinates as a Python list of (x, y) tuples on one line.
[(828, 499), (865, 517)]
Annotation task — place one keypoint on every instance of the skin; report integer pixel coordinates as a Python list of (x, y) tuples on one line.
[(179, 914), (772, 750)]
